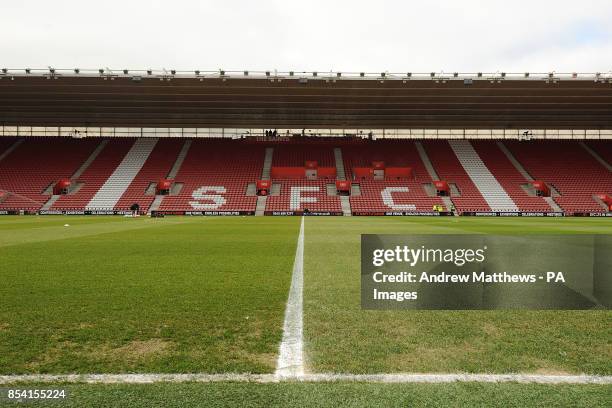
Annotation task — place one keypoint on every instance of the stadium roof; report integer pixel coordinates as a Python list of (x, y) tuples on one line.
[(295, 100)]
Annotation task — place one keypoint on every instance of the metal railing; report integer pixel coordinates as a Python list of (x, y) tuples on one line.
[(275, 75), (285, 133)]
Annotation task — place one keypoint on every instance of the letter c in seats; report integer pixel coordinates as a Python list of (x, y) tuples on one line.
[(388, 198)]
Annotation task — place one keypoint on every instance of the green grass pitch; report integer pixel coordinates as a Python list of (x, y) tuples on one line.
[(181, 294), (143, 295), (340, 337)]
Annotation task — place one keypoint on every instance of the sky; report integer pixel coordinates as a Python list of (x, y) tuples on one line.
[(346, 36)]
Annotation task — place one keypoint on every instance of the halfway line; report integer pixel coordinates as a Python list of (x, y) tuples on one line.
[(290, 362)]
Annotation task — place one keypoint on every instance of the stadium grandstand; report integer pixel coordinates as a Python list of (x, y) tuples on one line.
[(293, 143)]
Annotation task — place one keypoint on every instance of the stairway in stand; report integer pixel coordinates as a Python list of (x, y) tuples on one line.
[(260, 208), (345, 201), (176, 167), (494, 194), (111, 191)]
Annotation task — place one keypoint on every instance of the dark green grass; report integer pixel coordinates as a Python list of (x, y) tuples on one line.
[(112, 294), (330, 395), (340, 337)]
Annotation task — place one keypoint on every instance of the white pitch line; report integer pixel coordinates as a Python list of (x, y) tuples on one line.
[(290, 362), (313, 378), (135, 378), (460, 377)]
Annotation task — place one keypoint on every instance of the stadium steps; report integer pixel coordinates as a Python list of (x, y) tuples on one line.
[(494, 194), (176, 167), (111, 191), (448, 203), (596, 156), (260, 207), (251, 189), (519, 167), (425, 159), (89, 160), (345, 201), (11, 148), (339, 164), (265, 173), (50, 202), (553, 204), (179, 160), (156, 203), (332, 191)]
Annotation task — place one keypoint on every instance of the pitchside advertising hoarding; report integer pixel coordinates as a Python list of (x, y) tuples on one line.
[(463, 272)]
